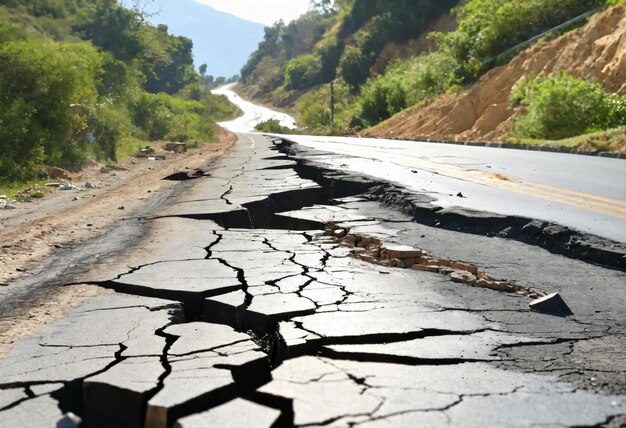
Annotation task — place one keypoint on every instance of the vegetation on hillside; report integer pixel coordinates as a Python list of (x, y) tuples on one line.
[(354, 33), (84, 79), (562, 106), (342, 40)]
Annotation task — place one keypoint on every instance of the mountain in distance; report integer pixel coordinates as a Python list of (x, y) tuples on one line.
[(221, 41)]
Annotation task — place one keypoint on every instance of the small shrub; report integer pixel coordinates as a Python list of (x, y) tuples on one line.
[(563, 106), (273, 126), (381, 98)]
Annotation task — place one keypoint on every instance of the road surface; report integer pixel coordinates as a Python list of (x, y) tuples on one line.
[(583, 192), (267, 289)]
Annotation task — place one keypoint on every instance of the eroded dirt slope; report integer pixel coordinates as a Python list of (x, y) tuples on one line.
[(596, 51)]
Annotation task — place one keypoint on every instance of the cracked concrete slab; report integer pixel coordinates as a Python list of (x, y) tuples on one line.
[(188, 281), (117, 396), (162, 239), (323, 214), (88, 340), (265, 312), (234, 414), (242, 190), (187, 276), (227, 309), (380, 304), (470, 394), (206, 362), (480, 346), (191, 381), (321, 392), (39, 412), (9, 397), (199, 337)]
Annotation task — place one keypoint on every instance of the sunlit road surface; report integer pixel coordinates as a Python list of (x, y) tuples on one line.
[(584, 192), (252, 113)]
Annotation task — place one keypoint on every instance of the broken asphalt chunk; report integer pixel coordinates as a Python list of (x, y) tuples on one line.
[(267, 311), (116, 397), (234, 414), (552, 304), (226, 309), (188, 281), (209, 364), (38, 412)]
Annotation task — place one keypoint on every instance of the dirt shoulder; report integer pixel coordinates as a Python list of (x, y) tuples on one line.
[(35, 230)]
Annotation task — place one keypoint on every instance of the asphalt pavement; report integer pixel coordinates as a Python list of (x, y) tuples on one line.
[(583, 192), (270, 288)]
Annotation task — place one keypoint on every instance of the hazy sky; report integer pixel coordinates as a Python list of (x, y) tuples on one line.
[(264, 11)]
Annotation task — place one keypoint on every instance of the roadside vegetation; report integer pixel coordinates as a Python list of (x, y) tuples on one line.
[(335, 39), (344, 42), (89, 79), (611, 140), (273, 126), (562, 106)]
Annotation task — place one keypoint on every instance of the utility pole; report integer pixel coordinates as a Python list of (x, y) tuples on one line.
[(332, 104)]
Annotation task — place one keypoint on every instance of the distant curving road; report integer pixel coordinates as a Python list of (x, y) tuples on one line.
[(252, 114)]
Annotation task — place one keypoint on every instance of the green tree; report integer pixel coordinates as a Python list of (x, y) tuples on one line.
[(354, 66), (111, 28), (46, 91), (303, 72)]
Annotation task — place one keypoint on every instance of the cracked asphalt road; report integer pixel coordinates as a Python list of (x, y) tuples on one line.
[(240, 303)]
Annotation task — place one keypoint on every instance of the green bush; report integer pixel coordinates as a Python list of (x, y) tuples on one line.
[(380, 99), (405, 84), (62, 102), (489, 27), (303, 72), (273, 126), (354, 65), (165, 117), (428, 75), (46, 90), (563, 106)]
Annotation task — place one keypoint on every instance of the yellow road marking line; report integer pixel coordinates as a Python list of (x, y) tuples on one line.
[(586, 201)]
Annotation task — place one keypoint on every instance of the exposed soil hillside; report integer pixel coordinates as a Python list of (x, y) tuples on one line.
[(596, 50)]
